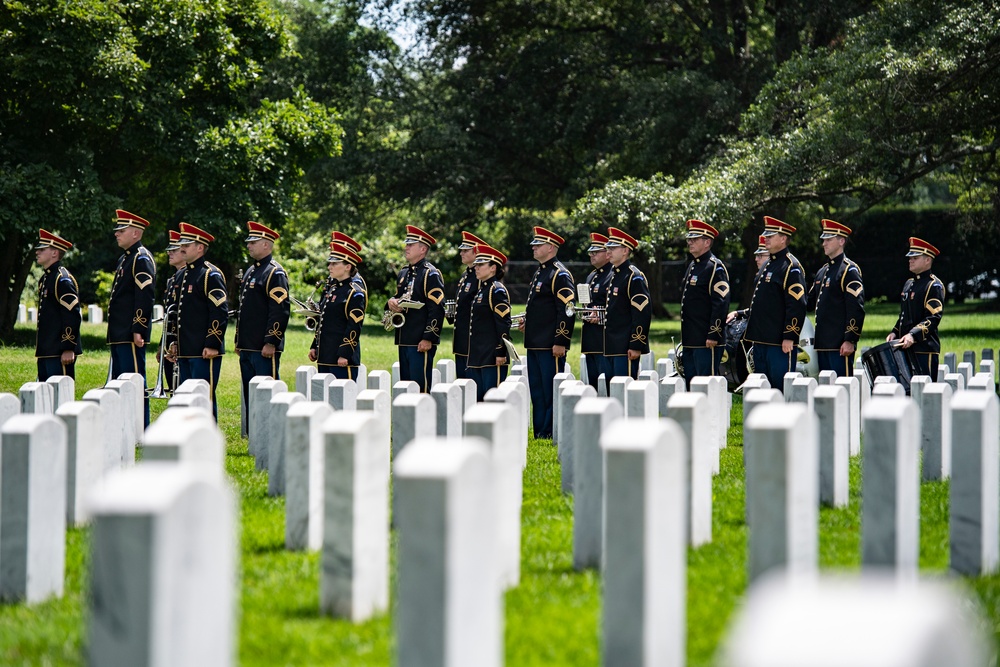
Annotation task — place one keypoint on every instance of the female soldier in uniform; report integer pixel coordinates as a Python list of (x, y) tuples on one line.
[(336, 346), (489, 322)]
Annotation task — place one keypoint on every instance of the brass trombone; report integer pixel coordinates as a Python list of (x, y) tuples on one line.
[(158, 391), (161, 318)]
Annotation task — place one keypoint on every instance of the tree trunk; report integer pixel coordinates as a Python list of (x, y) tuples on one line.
[(15, 262)]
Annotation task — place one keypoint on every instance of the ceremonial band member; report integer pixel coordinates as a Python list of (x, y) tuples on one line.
[(130, 308), (760, 255), (777, 308), (420, 334), (170, 298), (467, 289), (489, 322), (592, 334), (547, 329), (838, 295), (344, 239), (626, 330), (921, 308), (336, 345), (202, 313), (57, 340), (704, 303), (264, 310)]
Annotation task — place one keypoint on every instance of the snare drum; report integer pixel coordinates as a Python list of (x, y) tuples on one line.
[(890, 358)]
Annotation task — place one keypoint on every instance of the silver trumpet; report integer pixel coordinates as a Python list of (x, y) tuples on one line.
[(600, 312), (517, 320), (391, 320), (450, 309)]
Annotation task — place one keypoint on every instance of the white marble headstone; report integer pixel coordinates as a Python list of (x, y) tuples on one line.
[(644, 617), (447, 612), (304, 456), (163, 568), (32, 508)]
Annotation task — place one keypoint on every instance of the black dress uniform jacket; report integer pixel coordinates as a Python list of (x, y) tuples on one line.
[(468, 286), (592, 335), (264, 307), (704, 301), (338, 331), (130, 308), (202, 313), (920, 312), (545, 322), (489, 324), (778, 306), (629, 312), (424, 283), (838, 295), (58, 313)]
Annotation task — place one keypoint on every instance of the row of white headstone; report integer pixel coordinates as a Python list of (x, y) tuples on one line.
[(95, 315), (956, 431)]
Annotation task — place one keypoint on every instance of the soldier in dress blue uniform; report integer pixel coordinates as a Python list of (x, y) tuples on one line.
[(57, 341), (921, 308), (130, 308), (592, 333), (547, 328), (629, 314), (464, 294), (489, 322), (761, 255), (420, 334), (202, 313), (704, 304), (264, 310), (170, 297), (838, 295), (778, 307), (336, 346)]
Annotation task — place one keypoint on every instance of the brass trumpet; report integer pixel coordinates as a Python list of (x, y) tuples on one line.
[(600, 312)]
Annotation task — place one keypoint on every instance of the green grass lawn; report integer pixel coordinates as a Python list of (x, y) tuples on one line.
[(552, 618)]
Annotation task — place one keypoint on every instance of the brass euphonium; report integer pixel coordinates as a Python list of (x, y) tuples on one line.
[(309, 308), (391, 320)]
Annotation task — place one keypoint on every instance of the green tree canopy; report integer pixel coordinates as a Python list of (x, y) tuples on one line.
[(152, 105)]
